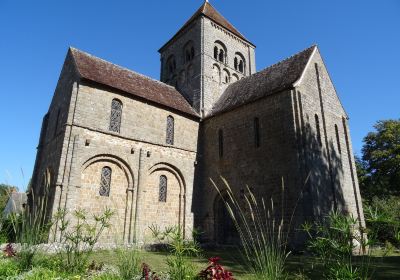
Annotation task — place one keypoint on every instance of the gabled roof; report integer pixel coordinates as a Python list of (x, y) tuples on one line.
[(273, 79), (210, 12), (106, 73)]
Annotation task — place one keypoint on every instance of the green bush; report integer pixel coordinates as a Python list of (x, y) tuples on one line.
[(8, 267), (333, 242), (129, 263), (382, 218)]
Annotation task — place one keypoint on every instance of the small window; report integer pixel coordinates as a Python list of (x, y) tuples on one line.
[(162, 195), (256, 132), (105, 182), (338, 139), (115, 117), (215, 52), (236, 63), (318, 129), (221, 55), (239, 62), (170, 130), (220, 143)]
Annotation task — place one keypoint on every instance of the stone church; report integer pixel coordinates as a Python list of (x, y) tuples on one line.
[(147, 148)]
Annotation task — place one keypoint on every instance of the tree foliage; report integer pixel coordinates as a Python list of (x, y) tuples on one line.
[(5, 191), (379, 167)]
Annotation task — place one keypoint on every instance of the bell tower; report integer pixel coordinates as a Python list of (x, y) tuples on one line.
[(204, 57)]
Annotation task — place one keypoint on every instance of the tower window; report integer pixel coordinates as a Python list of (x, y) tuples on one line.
[(220, 143), (220, 52), (170, 130), (239, 62), (256, 132), (105, 181), (188, 52), (162, 193), (226, 76), (318, 129), (115, 117), (171, 65)]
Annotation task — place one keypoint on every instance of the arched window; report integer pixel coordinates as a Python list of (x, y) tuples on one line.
[(239, 62), (225, 77), (105, 181), (188, 52), (171, 65), (191, 53), (338, 139), (256, 132), (318, 129), (220, 143), (170, 130), (162, 193), (220, 51), (116, 114)]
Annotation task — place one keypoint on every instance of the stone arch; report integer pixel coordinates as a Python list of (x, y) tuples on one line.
[(235, 77), (216, 74), (239, 62), (226, 77), (120, 197), (174, 209), (113, 159), (188, 51)]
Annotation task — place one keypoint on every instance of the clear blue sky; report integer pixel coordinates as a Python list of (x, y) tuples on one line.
[(359, 40)]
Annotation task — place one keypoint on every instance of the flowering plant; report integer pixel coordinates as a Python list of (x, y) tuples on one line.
[(147, 274), (9, 251), (215, 271)]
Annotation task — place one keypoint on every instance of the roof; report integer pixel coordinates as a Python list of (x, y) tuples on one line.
[(106, 73), (275, 78), (210, 12), (15, 203)]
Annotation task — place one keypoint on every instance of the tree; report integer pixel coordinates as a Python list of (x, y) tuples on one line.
[(5, 191), (379, 169)]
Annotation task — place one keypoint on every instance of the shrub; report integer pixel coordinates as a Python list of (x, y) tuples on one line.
[(179, 267), (8, 268), (129, 263), (79, 239), (333, 242)]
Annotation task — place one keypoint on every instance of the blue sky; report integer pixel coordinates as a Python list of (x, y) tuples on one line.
[(359, 40)]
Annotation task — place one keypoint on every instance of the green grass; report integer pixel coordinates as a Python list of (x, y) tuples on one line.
[(386, 268)]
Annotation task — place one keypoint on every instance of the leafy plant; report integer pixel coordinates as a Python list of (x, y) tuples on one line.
[(78, 238), (129, 263), (179, 267), (215, 271), (261, 230), (333, 241)]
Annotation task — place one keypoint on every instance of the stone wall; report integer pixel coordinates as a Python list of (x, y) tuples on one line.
[(328, 158), (243, 163), (137, 156)]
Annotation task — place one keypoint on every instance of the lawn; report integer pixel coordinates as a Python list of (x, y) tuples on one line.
[(385, 268)]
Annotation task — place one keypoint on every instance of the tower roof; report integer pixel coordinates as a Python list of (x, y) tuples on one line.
[(210, 12), (106, 73), (275, 78)]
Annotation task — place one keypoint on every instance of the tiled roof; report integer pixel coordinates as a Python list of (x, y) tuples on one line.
[(275, 78), (109, 74), (210, 12)]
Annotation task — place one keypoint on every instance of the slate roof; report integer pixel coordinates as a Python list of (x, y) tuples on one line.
[(210, 12), (273, 79), (106, 73)]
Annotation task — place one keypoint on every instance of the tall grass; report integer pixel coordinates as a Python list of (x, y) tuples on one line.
[(262, 231)]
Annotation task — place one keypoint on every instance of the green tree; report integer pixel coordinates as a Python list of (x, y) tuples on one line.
[(379, 168), (5, 191)]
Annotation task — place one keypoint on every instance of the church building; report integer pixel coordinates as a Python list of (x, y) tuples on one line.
[(147, 149)]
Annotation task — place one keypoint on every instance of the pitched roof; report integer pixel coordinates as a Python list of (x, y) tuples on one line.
[(210, 12), (275, 78), (106, 73)]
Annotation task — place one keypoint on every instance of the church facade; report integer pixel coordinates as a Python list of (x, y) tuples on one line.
[(147, 149)]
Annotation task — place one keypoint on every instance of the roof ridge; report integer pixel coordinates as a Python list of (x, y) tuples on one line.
[(120, 67), (287, 58)]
